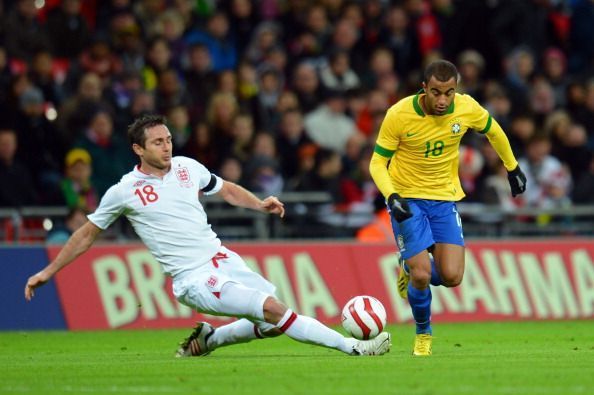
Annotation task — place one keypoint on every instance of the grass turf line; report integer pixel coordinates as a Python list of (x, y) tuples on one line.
[(470, 358)]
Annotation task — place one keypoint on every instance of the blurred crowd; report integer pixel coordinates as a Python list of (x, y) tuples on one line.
[(288, 95)]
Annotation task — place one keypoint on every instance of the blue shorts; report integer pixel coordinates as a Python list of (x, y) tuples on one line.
[(433, 221)]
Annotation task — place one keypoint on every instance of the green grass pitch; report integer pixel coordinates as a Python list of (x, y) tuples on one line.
[(470, 358)]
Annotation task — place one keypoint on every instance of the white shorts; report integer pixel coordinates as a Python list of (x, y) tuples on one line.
[(203, 289)]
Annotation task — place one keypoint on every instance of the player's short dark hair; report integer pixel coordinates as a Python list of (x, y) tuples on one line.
[(442, 70), (136, 131)]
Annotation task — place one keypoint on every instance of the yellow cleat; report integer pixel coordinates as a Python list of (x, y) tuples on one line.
[(422, 345), (403, 279)]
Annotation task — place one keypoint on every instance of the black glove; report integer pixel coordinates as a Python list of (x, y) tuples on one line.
[(517, 181), (399, 208)]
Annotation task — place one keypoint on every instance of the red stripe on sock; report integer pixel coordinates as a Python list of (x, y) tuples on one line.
[(372, 314), (366, 331), (257, 333), (289, 322)]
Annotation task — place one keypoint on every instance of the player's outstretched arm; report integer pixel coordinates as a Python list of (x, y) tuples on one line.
[(79, 242), (238, 196)]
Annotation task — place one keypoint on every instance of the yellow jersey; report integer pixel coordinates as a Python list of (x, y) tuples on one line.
[(422, 149)]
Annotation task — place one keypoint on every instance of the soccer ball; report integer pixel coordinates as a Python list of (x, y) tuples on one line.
[(363, 317)]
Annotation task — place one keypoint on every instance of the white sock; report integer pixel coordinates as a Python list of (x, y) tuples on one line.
[(309, 330), (240, 331)]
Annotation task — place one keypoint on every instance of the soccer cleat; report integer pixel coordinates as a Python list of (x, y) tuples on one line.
[(403, 279), (379, 345), (195, 344), (422, 345)]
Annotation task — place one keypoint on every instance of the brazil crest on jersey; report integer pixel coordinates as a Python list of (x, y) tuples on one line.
[(424, 148)]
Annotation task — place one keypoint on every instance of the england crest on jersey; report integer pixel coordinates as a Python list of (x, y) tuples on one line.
[(183, 176)]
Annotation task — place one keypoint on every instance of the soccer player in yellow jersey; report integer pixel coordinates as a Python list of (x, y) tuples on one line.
[(415, 166)]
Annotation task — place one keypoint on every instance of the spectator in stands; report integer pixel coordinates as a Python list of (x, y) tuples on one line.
[(357, 188), (200, 79), (306, 85), (76, 186), (266, 36), (243, 18), (219, 41), (243, 137), (381, 62), (68, 31), (232, 170), (575, 96), (542, 98), (554, 67), (262, 171), (42, 76), (17, 188), (61, 231), (98, 58), (170, 25), (522, 129), (120, 95), (247, 82), (291, 138), (41, 147), (142, 102), (178, 122), (570, 146), (548, 181), (325, 175), (328, 126), (158, 60), (148, 13), (73, 114), (263, 175), (346, 39), (498, 103), (170, 92), (221, 112), (227, 82), (127, 41), (287, 101), (496, 191), (471, 65), (111, 155), (201, 146), (270, 86), (400, 38), (318, 26), (519, 68), (471, 164), (27, 35), (337, 74)]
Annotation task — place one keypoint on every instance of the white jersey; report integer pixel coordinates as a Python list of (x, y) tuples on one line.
[(166, 213)]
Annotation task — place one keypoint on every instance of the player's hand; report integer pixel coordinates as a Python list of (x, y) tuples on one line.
[(399, 208), (273, 206), (517, 181), (35, 281)]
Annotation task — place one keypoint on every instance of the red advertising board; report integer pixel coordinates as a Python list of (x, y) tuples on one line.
[(116, 286)]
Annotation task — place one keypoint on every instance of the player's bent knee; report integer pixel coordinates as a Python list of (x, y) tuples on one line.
[(420, 278), (452, 280), (274, 310)]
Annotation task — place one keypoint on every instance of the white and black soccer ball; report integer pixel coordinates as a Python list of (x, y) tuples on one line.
[(364, 317)]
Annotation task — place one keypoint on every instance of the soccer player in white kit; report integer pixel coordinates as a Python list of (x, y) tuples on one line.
[(160, 197)]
